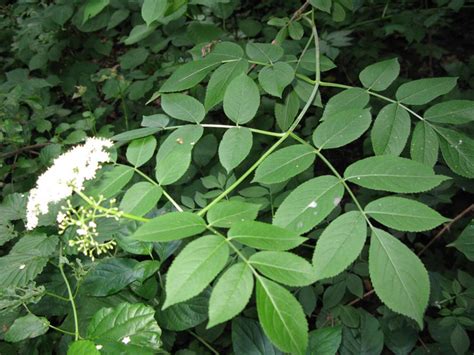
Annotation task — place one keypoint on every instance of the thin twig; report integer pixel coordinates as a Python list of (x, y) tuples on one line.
[(23, 149)]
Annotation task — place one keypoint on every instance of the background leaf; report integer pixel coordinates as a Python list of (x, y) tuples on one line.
[(183, 107), (141, 150), (230, 157), (241, 89), (227, 213)]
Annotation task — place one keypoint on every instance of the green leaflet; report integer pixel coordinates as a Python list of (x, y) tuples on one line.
[(398, 276), (230, 294), (92, 8), (264, 236), (422, 91), (379, 76), (82, 347), (183, 107), (241, 99), (339, 245), (284, 164), (264, 52), (465, 242), (394, 174), (404, 214), (325, 341), (457, 150), (170, 226), (355, 98), (309, 204), (112, 182), (139, 151), (281, 317), (229, 156), (140, 198), (341, 128), (249, 338), (274, 79), (454, 112), (284, 267), (424, 144), (153, 10), (29, 326), (194, 268), (227, 213), (286, 113), (391, 129)]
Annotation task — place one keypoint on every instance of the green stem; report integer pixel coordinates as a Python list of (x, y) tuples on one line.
[(57, 296), (255, 130), (205, 343), (71, 297), (61, 330)]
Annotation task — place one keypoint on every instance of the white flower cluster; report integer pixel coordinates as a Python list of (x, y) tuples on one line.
[(68, 173)]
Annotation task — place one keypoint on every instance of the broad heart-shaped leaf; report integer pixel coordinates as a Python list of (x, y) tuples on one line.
[(264, 52), (194, 268), (274, 79), (153, 10), (394, 174), (353, 98), (424, 144), (231, 294), (309, 204), (284, 267), (465, 242), (29, 326), (341, 128), (183, 107), (139, 151), (286, 113), (221, 79), (190, 74), (391, 129), (398, 276), (379, 76), (422, 91), (26, 260), (241, 99), (93, 8), (339, 245), (284, 164), (174, 155), (458, 151), (112, 182), (264, 236), (325, 341), (82, 347), (126, 325), (453, 112), (281, 317), (234, 147), (170, 226), (225, 214), (403, 214), (249, 338), (140, 198)]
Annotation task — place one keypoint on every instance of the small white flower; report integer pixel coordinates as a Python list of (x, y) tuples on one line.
[(313, 204), (126, 340), (81, 231), (98, 346), (22, 266), (68, 173), (92, 224)]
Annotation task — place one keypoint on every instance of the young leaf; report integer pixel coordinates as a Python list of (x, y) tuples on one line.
[(170, 226), (284, 267), (82, 347), (341, 128), (190, 74), (284, 164), (241, 99), (194, 268), (183, 107), (458, 151), (230, 294), (398, 276), (125, 326), (391, 129), (309, 204), (465, 242), (274, 79), (453, 112), (422, 91), (93, 8), (264, 52), (354, 98), (286, 113), (281, 317), (221, 79), (424, 144), (264, 236), (249, 338), (139, 151), (29, 326), (403, 214), (229, 156), (153, 10), (394, 174), (339, 245), (379, 76), (225, 214), (140, 198)]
